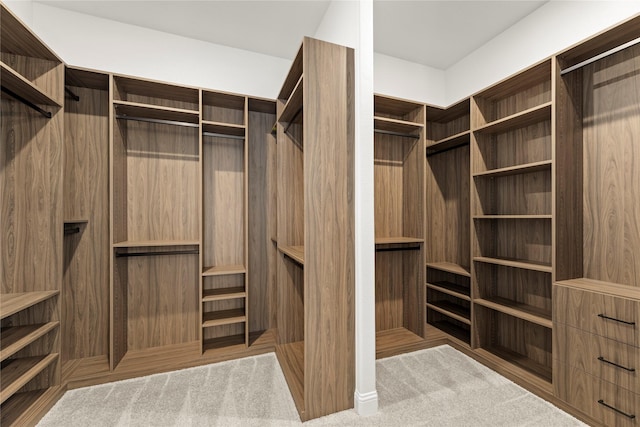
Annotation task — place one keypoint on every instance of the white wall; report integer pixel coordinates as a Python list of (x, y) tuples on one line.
[(350, 23), (23, 10), (548, 30), (91, 42), (404, 79)]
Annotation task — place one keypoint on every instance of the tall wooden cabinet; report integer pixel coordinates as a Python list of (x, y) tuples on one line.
[(31, 159), (315, 336)]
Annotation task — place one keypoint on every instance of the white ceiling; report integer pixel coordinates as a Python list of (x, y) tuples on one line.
[(433, 33)]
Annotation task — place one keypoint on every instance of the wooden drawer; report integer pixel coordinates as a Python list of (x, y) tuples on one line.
[(601, 357), (605, 402), (605, 315)]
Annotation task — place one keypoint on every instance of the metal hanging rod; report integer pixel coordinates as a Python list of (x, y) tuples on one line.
[(71, 95), (388, 132), (600, 56), (293, 119), (28, 103), (395, 249), (73, 230), (132, 254), (222, 135), (158, 121)]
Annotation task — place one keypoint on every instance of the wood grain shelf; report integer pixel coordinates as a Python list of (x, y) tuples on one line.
[(16, 338), (450, 142), (17, 410), (450, 267), (22, 87), (397, 240), (224, 270), (519, 120), (296, 253), (155, 112), (517, 263), (13, 303), (209, 295), (452, 289), (515, 309), (494, 217), (398, 126), (155, 243), (72, 221), (291, 358), (516, 170), (226, 344), (223, 317), (393, 341), (521, 365), (294, 104), (452, 310), (229, 129), (454, 330), (18, 372)]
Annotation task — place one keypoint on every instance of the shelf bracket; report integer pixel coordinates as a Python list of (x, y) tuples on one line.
[(29, 104)]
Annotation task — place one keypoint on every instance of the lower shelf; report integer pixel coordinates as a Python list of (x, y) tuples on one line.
[(224, 343), (16, 373), (523, 366), (28, 407), (390, 342), (453, 330), (291, 358)]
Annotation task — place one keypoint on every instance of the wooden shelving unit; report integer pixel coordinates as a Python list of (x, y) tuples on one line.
[(224, 270), (511, 199), (133, 111), (19, 85), (18, 337), (450, 267), (399, 127), (320, 382), (448, 128)]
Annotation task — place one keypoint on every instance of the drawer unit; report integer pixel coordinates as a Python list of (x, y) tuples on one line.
[(605, 402), (603, 358), (598, 313)]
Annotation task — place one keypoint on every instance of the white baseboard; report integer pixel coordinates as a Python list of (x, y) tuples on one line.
[(366, 403)]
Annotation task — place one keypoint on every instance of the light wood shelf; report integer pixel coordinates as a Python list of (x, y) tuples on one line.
[(516, 170), (13, 303), (454, 330), (296, 253), (452, 141), (224, 270), (397, 240), (519, 120), (517, 263), (155, 243), (395, 125), (291, 358), (227, 343), (294, 104), (22, 87), (223, 317), (76, 221), (155, 112), (450, 309), (209, 295), (493, 217), (521, 311), (522, 366), (393, 341), (452, 289), (450, 267), (16, 338), (18, 372), (229, 129)]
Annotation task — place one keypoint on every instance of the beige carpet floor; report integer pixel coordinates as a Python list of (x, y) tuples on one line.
[(434, 387)]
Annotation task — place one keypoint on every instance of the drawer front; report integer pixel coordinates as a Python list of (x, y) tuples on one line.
[(601, 357), (603, 401), (608, 316)]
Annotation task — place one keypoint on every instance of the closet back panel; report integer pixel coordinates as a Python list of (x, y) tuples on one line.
[(262, 221), (223, 187), (389, 290), (390, 153), (85, 291), (611, 135)]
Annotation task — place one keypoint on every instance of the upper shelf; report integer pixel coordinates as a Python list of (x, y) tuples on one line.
[(397, 126), (450, 267), (228, 129), (462, 138), (13, 303), (296, 253), (126, 109), (154, 243), (516, 170), (22, 87), (294, 104), (519, 120), (397, 240)]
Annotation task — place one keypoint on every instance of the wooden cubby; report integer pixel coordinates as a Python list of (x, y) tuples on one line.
[(448, 290), (399, 230), (32, 80), (315, 170), (512, 207)]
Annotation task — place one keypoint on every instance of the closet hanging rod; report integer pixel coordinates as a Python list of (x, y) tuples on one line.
[(73, 230), (403, 248), (132, 254), (28, 103), (222, 135), (71, 94), (158, 121), (388, 132), (600, 56), (293, 119)]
